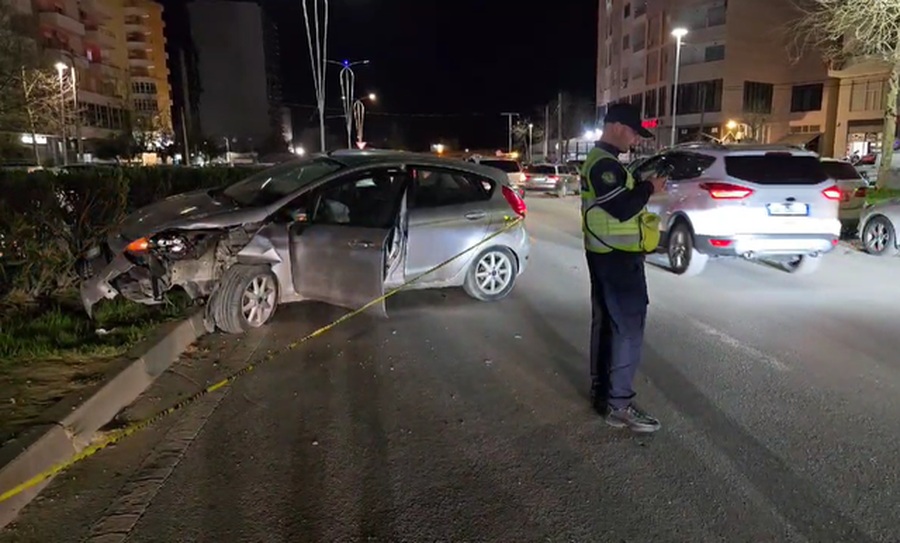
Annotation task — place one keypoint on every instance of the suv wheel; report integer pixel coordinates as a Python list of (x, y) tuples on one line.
[(684, 259), (803, 264), (879, 237)]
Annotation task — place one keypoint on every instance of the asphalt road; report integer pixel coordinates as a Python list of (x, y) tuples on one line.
[(462, 421)]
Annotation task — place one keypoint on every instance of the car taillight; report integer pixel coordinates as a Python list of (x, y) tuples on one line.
[(860, 192), (515, 201), (726, 191), (554, 178), (832, 193)]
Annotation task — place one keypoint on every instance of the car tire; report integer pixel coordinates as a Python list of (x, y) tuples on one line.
[(492, 263), (247, 298), (804, 265), (879, 237), (684, 258)]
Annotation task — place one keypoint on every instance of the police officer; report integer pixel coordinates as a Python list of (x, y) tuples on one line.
[(612, 202)]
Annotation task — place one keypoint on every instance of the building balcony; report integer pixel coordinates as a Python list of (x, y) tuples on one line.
[(140, 62), (134, 9), (97, 8), (62, 21), (858, 67), (101, 37)]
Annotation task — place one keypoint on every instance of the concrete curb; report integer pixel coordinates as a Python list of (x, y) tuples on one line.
[(68, 427)]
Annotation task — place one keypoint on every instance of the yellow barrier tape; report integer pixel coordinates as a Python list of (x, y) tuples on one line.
[(141, 425)]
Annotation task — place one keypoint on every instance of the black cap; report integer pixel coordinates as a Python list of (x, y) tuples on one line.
[(628, 115)]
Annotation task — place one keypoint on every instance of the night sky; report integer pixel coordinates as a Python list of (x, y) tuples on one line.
[(441, 69)]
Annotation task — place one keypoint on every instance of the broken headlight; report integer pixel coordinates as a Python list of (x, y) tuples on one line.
[(171, 245)]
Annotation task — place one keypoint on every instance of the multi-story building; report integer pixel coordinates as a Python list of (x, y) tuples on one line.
[(737, 77), (150, 94), (239, 71), (98, 40)]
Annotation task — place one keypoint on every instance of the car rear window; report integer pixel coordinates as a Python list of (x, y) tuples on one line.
[(540, 169), (840, 170), (508, 166), (776, 169)]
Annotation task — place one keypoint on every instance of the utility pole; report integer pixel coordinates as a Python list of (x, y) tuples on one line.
[(510, 116), (559, 121), (546, 149)]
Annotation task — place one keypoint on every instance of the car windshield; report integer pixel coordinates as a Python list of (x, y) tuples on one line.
[(840, 170), (541, 169), (272, 184), (508, 166)]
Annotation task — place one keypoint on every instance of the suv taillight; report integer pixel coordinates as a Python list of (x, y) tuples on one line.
[(726, 191), (832, 193), (514, 200), (861, 192)]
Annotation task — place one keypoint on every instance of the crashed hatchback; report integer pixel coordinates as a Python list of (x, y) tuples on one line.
[(339, 228)]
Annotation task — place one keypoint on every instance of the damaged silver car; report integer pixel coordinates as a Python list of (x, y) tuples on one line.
[(339, 228)]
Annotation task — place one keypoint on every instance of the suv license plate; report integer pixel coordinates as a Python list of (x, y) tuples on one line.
[(788, 209)]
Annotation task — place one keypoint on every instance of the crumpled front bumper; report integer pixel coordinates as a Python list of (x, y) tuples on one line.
[(99, 286)]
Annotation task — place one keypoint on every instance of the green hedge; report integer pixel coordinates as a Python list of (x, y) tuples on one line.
[(47, 221)]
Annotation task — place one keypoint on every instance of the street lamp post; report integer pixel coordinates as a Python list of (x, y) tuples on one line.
[(679, 34), (348, 80), (227, 150), (359, 115), (60, 69), (510, 116)]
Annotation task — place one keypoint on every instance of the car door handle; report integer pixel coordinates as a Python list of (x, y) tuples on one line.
[(359, 244), (475, 215)]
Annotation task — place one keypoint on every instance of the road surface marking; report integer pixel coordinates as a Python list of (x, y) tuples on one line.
[(735, 343)]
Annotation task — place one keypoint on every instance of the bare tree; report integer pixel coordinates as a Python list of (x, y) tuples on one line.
[(843, 29), (16, 52), (39, 105)]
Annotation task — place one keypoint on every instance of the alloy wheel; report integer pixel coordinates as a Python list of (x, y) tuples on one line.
[(258, 301), (493, 272)]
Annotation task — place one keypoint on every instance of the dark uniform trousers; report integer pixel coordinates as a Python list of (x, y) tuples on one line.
[(618, 314)]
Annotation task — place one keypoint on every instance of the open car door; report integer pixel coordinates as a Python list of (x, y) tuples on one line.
[(339, 256)]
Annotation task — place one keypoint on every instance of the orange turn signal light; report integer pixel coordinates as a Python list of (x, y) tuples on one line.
[(138, 246)]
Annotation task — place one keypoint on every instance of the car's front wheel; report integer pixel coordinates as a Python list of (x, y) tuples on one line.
[(879, 237), (492, 275), (247, 298)]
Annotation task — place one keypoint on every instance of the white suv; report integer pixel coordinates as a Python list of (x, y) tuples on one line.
[(770, 202)]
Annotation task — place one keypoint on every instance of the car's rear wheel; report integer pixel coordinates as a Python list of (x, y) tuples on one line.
[(803, 264), (247, 298), (684, 259), (492, 275), (879, 237)]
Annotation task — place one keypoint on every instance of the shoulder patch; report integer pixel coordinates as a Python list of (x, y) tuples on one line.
[(609, 178)]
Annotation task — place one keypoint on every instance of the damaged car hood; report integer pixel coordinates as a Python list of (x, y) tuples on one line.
[(198, 210)]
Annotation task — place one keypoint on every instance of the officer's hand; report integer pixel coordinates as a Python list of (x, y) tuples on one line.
[(659, 183)]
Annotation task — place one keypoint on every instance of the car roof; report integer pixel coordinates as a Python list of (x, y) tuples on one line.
[(720, 149), (353, 158)]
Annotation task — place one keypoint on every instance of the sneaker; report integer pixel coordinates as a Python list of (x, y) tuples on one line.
[(633, 418)]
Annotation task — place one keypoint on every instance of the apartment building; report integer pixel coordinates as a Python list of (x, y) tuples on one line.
[(239, 73), (95, 38), (148, 70), (737, 79)]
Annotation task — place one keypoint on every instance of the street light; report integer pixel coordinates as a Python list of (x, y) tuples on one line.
[(227, 150), (359, 115), (679, 34), (348, 80)]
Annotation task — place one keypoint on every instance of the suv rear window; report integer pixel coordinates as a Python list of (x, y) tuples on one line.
[(776, 169), (508, 166), (840, 170), (540, 169)]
